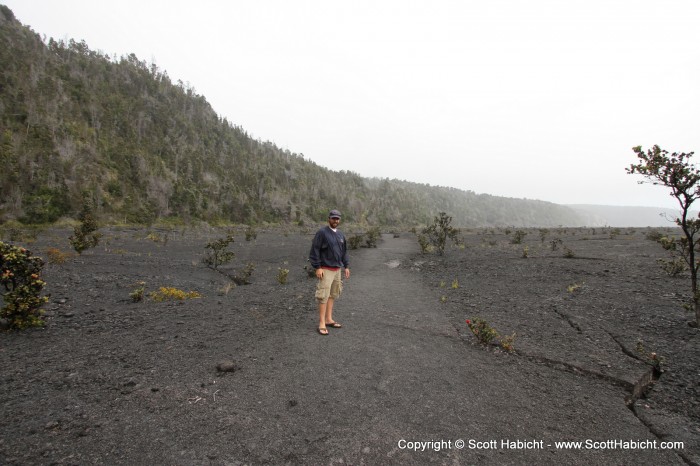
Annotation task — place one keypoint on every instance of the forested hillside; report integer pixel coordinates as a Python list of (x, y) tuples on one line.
[(79, 125)]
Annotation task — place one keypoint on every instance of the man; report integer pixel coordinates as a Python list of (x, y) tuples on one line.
[(328, 255)]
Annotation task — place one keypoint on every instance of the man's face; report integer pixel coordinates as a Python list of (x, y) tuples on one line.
[(333, 222)]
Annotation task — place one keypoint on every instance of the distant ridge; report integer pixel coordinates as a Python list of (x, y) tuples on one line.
[(626, 216)]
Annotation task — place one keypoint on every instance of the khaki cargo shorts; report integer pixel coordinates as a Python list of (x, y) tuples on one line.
[(330, 286)]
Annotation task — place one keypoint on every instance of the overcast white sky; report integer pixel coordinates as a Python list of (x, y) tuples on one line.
[(537, 99)]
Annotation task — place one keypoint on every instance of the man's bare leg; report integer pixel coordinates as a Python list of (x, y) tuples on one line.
[(322, 308), (329, 311)]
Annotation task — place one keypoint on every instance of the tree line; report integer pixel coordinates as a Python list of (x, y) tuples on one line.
[(80, 126)]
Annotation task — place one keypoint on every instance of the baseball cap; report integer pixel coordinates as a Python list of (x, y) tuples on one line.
[(334, 213)]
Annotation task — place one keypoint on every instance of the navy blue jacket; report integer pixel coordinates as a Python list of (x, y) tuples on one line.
[(329, 249)]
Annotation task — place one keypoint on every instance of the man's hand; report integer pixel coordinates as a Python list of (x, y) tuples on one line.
[(347, 273), (319, 273)]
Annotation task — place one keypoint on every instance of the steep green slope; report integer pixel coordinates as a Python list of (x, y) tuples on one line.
[(78, 125)]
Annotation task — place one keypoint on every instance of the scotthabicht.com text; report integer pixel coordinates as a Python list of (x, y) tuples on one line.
[(532, 444)]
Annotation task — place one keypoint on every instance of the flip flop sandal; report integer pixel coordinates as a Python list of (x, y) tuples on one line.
[(323, 331), (334, 325)]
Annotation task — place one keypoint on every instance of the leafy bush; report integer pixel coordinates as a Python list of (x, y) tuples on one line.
[(85, 235), (673, 267), (216, 253), (282, 275), (372, 237), (440, 231), (20, 276), (482, 330), (356, 241)]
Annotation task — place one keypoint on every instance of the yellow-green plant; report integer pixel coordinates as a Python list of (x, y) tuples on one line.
[(507, 342), (170, 293), (137, 295), (56, 256), (282, 275), (574, 287)]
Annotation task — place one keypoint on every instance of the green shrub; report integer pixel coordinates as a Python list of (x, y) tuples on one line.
[(424, 243), (518, 236), (282, 275), (251, 234), (20, 278), (372, 237), (85, 235), (482, 330), (137, 295), (243, 278), (216, 253), (439, 231), (673, 267), (356, 241)]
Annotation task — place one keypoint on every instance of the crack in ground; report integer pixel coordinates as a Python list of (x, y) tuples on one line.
[(636, 391)]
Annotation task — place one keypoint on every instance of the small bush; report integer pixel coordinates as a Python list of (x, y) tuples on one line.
[(526, 252), (439, 232), (251, 234), (424, 244), (518, 236), (170, 293), (482, 330), (568, 253), (573, 288), (486, 334), (85, 235), (372, 237), (20, 276), (282, 275), (56, 256), (157, 238), (356, 241), (216, 253), (137, 295), (455, 284), (673, 267), (506, 342), (654, 235), (555, 243), (243, 278)]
